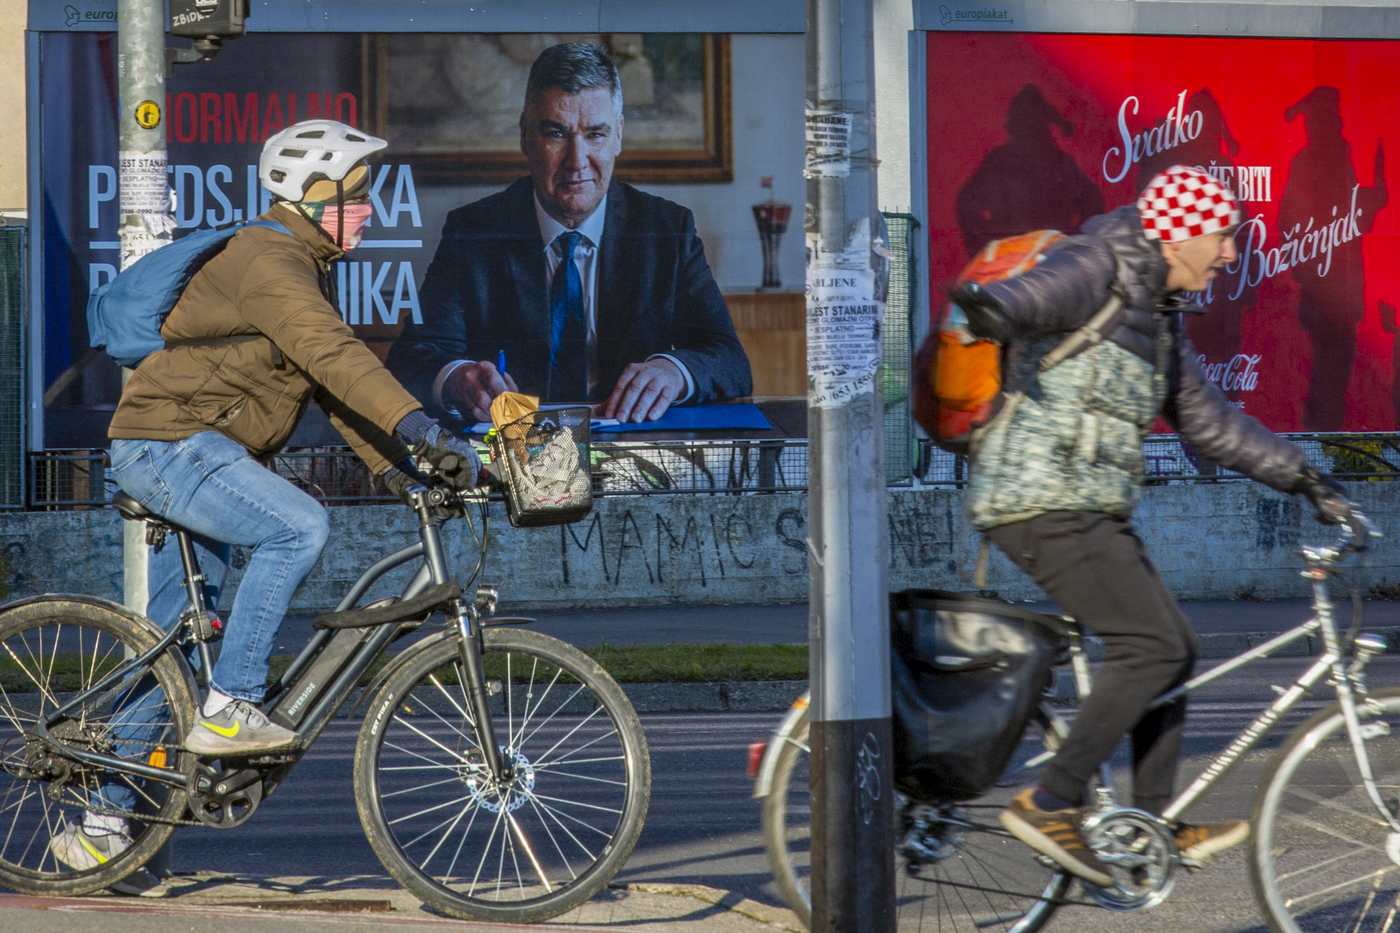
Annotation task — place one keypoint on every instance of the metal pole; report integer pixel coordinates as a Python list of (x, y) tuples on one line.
[(146, 220), (851, 788)]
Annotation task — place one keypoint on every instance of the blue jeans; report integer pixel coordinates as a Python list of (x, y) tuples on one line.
[(210, 485)]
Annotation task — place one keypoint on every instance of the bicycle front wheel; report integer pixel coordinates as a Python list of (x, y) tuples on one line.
[(958, 869), (52, 649), (1323, 857), (526, 849)]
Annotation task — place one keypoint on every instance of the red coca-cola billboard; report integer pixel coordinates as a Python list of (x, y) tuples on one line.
[(1044, 131)]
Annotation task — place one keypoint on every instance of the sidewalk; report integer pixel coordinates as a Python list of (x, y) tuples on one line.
[(245, 905)]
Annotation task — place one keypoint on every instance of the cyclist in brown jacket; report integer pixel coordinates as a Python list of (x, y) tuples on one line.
[(254, 337)]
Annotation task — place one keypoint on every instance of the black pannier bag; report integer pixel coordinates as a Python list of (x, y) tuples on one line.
[(966, 674)]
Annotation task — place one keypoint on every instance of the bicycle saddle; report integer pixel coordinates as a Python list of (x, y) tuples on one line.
[(130, 509)]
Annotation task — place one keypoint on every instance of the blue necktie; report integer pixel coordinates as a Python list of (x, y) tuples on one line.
[(568, 351)]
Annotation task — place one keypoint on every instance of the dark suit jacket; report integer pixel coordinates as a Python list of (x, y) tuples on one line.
[(487, 290)]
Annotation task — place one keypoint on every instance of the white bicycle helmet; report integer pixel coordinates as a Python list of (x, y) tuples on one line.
[(310, 151)]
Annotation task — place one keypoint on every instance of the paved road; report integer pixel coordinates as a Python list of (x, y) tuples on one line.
[(703, 828)]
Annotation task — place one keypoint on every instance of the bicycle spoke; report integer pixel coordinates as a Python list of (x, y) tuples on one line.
[(554, 841), (453, 820), (1321, 861), (506, 848), (524, 844), (432, 809), (417, 788)]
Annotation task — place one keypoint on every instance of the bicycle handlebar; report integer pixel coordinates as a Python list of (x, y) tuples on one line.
[(1357, 532)]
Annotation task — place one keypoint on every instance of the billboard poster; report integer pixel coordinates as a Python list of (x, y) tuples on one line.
[(1029, 132), (449, 105)]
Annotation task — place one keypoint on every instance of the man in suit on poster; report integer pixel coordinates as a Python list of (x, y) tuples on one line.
[(588, 289)]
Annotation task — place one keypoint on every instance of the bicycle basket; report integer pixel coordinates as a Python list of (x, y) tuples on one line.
[(544, 462), (966, 675)]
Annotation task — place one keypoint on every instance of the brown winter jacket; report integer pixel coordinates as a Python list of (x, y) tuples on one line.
[(267, 283)]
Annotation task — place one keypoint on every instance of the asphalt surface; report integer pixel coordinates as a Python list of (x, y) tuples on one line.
[(703, 829)]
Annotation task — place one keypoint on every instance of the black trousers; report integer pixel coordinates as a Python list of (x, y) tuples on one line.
[(1096, 568)]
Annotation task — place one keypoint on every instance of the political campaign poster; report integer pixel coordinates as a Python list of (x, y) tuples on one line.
[(449, 107), (1030, 132)]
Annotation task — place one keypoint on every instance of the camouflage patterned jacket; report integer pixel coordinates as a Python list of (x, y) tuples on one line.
[(1073, 442)]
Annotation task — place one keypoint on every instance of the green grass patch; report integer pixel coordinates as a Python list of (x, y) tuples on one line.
[(702, 663), (638, 664), (65, 673), (665, 664)]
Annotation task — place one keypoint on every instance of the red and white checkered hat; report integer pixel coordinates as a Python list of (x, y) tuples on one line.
[(1183, 203)]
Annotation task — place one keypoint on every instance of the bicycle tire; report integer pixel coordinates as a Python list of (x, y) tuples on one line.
[(964, 890), (1322, 858), (50, 649), (560, 703)]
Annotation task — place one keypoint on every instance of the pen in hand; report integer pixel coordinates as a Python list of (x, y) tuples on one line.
[(501, 362)]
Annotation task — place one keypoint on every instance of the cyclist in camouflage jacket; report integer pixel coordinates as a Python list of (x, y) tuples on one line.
[(1055, 477)]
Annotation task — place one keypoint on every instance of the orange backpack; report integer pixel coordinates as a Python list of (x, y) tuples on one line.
[(957, 385)]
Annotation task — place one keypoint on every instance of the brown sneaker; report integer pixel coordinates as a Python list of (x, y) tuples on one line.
[(1054, 834), (1200, 841)]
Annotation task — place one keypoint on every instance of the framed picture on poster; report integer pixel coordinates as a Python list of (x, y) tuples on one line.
[(451, 103)]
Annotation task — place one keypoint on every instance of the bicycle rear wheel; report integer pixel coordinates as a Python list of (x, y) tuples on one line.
[(1323, 858), (50, 650), (958, 870), (536, 846)]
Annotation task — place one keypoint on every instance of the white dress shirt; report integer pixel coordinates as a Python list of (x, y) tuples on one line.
[(586, 259)]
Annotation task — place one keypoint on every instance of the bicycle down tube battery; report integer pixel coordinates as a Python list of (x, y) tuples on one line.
[(302, 695)]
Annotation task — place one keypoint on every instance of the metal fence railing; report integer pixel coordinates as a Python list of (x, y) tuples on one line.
[(12, 314), (1168, 460), (897, 342), (74, 479)]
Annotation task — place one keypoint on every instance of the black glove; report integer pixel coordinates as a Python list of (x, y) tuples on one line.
[(401, 477), (453, 459), (1327, 496), (986, 319)]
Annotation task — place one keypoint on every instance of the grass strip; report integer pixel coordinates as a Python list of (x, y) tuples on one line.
[(667, 664)]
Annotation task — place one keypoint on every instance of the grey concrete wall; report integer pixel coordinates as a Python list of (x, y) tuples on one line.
[(1210, 541)]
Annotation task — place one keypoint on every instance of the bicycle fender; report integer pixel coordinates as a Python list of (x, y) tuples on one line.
[(155, 631), (392, 668), (763, 784)]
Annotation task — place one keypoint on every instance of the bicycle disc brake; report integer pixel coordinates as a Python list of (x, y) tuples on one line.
[(216, 801), (1140, 852)]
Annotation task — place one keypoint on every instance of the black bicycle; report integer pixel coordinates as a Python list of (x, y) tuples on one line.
[(500, 774)]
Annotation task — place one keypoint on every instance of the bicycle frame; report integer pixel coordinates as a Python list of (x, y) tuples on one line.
[(328, 699), (1331, 661)]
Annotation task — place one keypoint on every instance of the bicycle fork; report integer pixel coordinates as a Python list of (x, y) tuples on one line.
[(469, 647), (468, 636)]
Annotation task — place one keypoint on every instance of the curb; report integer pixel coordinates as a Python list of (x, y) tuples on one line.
[(725, 696)]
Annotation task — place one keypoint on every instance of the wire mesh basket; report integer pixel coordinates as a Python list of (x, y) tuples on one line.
[(544, 462)]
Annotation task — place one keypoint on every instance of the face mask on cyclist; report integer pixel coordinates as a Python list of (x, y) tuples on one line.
[(344, 225), (341, 208)]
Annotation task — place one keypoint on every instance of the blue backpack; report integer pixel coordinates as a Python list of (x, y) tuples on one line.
[(125, 315)]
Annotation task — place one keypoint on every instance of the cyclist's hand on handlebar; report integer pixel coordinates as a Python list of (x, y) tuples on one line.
[(452, 458), (401, 477), (1327, 496)]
